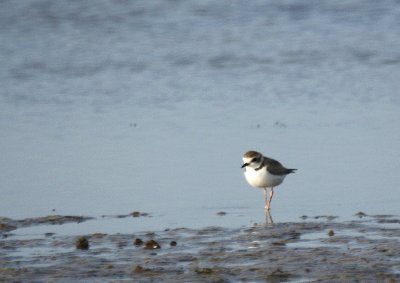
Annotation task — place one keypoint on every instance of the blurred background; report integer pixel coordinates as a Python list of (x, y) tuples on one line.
[(115, 106)]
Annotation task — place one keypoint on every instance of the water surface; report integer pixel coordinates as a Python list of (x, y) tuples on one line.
[(148, 106)]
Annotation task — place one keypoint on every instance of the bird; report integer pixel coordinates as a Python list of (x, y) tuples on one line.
[(265, 173)]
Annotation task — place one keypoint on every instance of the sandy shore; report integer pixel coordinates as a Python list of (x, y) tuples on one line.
[(316, 249)]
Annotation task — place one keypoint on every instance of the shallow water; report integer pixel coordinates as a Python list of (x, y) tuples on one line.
[(148, 106)]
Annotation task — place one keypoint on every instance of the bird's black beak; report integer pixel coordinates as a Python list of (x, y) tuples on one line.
[(244, 165)]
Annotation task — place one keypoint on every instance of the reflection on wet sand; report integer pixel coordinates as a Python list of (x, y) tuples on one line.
[(268, 218)]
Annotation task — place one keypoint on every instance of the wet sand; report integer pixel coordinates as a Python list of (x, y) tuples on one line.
[(315, 249)]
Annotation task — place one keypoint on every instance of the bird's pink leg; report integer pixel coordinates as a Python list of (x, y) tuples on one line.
[(267, 200), (271, 194)]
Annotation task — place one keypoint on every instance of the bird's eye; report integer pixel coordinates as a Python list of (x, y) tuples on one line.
[(254, 160)]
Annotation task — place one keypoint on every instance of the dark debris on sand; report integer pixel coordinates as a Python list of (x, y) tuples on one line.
[(363, 250), (82, 243)]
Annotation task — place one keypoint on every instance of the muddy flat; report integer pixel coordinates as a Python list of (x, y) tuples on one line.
[(317, 249)]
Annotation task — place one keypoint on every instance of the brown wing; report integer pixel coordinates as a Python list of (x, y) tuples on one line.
[(275, 167)]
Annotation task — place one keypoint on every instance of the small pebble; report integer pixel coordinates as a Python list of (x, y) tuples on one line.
[(136, 214), (204, 270), (360, 214), (138, 242), (331, 233), (173, 243), (82, 243), (139, 214), (150, 245)]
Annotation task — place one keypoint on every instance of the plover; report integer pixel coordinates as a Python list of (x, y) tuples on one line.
[(264, 172)]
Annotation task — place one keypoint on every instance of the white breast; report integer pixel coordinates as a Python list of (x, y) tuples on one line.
[(262, 178)]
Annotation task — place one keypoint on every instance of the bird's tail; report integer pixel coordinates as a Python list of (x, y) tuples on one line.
[(291, 171)]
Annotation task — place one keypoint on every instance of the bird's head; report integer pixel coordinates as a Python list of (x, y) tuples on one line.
[(252, 159)]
